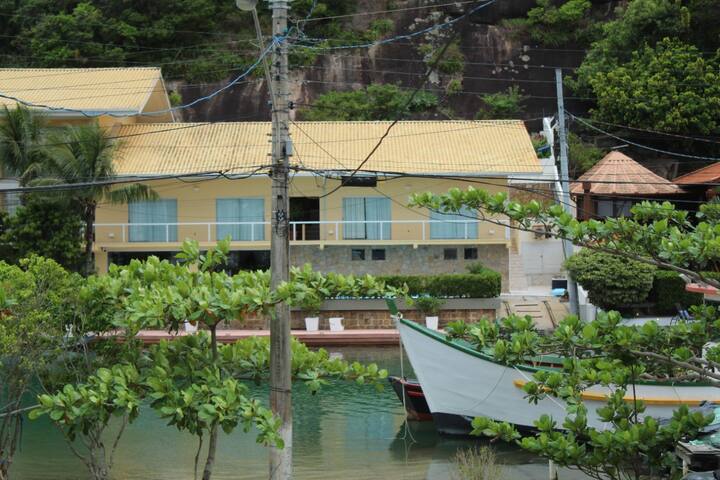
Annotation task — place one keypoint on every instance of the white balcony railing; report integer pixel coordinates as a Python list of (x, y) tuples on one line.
[(299, 231)]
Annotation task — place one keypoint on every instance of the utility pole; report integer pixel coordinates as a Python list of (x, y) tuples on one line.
[(565, 184), (280, 356)]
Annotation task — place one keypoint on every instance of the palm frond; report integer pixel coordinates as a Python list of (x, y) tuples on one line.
[(131, 193)]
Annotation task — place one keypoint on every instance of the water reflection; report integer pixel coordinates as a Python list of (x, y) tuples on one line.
[(344, 432)]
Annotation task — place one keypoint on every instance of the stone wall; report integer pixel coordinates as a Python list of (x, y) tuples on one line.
[(400, 259), (371, 314)]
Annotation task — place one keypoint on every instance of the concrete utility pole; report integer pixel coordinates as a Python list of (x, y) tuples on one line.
[(565, 184), (280, 379)]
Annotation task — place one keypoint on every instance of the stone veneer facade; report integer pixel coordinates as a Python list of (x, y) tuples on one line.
[(400, 259)]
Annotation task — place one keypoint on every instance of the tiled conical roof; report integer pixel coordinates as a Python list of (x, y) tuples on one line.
[(618, 174)]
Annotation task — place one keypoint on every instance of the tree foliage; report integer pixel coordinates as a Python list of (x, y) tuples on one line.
[(611, 281), (37, 300), (556, 23), (50, 229), (375, 102), (501, 105), (193, 382), (605, 352), (670, 87)]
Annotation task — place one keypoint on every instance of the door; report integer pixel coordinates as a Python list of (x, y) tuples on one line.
[(304, 213)]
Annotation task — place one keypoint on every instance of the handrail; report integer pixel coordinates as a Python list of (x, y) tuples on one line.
[(258, 227)]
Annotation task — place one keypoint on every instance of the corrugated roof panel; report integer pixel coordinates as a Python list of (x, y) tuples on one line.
[(450, 147), (94, 89)]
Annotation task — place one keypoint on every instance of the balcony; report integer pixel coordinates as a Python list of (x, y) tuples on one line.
[(308, 232)]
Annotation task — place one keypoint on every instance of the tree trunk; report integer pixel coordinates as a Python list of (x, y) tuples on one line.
[(212, 447), (89, 238)]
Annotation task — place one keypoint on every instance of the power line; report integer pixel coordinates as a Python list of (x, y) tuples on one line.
[(657, 132), (639, 145)]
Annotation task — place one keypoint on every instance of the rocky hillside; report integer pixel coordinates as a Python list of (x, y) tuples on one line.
[(492, 58)]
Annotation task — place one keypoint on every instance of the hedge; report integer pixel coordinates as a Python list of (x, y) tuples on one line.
[(486, 284), (668, 291)]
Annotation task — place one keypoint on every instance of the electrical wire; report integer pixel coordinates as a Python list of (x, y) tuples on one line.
[(639, 145)]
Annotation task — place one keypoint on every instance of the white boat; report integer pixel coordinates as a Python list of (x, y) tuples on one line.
[(461, 383)]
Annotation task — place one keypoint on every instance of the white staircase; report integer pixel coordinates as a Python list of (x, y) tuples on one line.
[(516, 272)]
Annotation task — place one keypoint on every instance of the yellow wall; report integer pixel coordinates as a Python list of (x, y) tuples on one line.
[(196, 203)]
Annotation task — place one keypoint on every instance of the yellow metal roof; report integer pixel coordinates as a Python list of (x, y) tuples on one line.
[(91, 89), (419, 147)]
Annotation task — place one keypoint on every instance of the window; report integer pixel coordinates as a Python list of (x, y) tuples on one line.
[(377, 254), (369, 217), (450, 254), (249, 212), (357, 254), (453, 226), (471, 254), (157, 219), (613, 208)]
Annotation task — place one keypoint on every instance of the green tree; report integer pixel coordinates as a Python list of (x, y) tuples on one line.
[(21, 139), (670, 87), (582, 155), (633, 445), (501, 105), (50, 229), (611, 281), (556, 23), (37, 300), (375, 102), (83, 155)]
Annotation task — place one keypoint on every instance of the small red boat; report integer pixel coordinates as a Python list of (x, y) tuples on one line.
[(410, 393)]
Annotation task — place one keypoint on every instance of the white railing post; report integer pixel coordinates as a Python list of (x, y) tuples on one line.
[(167, 233), (423, 222), (294, 225), (466, 230)]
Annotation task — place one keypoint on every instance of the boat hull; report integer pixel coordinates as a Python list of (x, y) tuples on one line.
[(412, 397), (460, 383)]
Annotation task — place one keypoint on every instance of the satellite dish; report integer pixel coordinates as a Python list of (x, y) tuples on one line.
[(247, 5)]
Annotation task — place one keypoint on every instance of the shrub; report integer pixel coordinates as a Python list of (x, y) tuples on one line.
[(502, 105), (668, 290), (476, 464), (485, 283), (611, 281), (428, 305), (476, 267)]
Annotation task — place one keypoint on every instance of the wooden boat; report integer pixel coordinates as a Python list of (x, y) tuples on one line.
[(461, 383), (412, 397)]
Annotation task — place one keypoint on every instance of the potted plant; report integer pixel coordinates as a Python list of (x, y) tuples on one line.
[(429, 306), (311, 308)]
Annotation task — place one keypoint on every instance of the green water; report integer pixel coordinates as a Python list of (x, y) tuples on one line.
[(344, 432)]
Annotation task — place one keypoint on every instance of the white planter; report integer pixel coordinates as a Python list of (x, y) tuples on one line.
[(432, 322), (336, 324), (190, 328), (312, 324)]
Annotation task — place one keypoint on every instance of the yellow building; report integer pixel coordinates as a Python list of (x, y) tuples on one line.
[(72, 96), (364, 227), (212, 179)]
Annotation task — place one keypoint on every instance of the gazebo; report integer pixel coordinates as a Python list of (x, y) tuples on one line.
[(614, 184)]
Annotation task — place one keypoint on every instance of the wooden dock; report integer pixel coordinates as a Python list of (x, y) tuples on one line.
[(320, 338)]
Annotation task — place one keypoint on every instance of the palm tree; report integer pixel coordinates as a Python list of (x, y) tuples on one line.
[(83, 155), (22, 152)]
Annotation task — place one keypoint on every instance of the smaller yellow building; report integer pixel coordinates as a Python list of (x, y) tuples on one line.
[(365, 226)]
